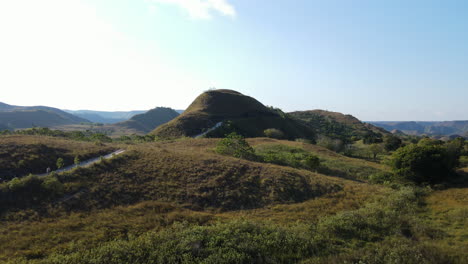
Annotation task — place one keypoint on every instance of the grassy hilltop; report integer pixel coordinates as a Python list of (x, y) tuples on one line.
[(239, 113)]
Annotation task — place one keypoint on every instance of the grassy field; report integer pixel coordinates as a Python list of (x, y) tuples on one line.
[(179, 201), (447, 210)]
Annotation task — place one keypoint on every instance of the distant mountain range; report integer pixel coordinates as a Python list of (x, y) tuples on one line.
[(105, 117), (14, 117), (244, 112), (443, 128)]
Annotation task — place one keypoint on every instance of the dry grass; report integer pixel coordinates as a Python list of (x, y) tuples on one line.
[(155, 184), (353, 196)]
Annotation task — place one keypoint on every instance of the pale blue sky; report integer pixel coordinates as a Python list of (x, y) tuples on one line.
[(376, 60)]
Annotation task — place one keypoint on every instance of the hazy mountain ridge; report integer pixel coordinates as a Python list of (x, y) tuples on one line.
[(150, 120), (106, 117), (14, 117), (435, 128)]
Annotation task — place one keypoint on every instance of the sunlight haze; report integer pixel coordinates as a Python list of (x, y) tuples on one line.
[(376, 60)]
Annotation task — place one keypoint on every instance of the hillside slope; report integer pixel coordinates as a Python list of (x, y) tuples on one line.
[(337, 125), (238, 112), (150, 120)]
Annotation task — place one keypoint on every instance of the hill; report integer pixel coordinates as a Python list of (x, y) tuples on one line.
[(105, 117), (14, 117), (236, 112), (337, 125), (179, 201), (21, 155), (146, 122), (443, 128)]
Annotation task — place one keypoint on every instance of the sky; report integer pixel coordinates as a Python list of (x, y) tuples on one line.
[(377, 60)]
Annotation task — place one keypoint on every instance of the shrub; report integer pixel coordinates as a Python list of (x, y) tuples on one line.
[(60, 163), (312, 162), (274, 133), (423, 163), (381, 177), (392, 143), (76, 161), (236, 146), (288, 156), (233, 242), (336, 145)]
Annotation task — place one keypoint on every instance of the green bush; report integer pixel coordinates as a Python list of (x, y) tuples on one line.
[(381, 177), (287, 156), (60, 163), (236, 146), (464, 161), (392, 142), (424, 163), (233, 242), (274, 133)]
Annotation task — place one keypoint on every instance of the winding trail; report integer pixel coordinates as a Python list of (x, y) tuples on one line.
[(85, 163), (209, 130)]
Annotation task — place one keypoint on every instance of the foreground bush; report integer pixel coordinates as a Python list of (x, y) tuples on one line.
[(234, 242), (385, 231), (424, 163)]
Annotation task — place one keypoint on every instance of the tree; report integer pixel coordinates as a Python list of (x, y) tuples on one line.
[(236, 146), (371, 137), (60, 163), (423, 163), (376, 149), (392, 142), (274, 133)]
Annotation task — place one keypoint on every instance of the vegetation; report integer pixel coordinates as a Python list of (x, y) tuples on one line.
[(336, 126), (274, 133), (424, 163), (288, 156), (392, 142), (74, 135), (60, 163), (235, 145)]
